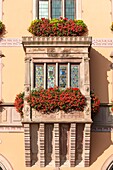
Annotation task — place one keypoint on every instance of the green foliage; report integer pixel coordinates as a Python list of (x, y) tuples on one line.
[(57, 27), (2, 27)]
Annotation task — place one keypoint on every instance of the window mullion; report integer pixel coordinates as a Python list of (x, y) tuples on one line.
[(68, 74), (56, 74), (35, 9), (49, 9), (32, 75), (45, 76), (63, 8), (78, 9)]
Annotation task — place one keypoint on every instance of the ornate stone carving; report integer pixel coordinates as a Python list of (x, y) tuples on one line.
[(57, 116)]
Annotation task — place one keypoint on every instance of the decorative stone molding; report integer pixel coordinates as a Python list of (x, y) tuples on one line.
[(102, 129), (4, 163), (42, 144), (9, 116), (17, 42), (72, 144), (56, 145), (27, 86), (6, 129), (56, 41), (60, 116), (86, 145), (27, 145), (10, 42), (102, 42)]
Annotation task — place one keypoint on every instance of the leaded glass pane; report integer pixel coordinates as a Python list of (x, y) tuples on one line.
[(43, 9), (56, 8), (50, 76), (70, 8), (39, 76), (74, 76), (62, 76)]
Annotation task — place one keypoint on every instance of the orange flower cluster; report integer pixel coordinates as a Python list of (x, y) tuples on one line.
[(95, 103), (52, 99), (19, 103), (57, 27)]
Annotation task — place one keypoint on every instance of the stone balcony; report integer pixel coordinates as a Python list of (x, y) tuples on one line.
[(57, 139)]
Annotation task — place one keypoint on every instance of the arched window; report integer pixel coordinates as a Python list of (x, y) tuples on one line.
[(108, 164), (4, 164), (110, 167)]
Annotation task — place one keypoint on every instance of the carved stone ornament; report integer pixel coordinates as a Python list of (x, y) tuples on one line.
[(57, 116)]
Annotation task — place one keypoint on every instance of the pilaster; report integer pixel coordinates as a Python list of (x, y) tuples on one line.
[(42, 144), (27, 145), (56, 145), (72, 144), (86, 145), (27, 87), (87, 87)]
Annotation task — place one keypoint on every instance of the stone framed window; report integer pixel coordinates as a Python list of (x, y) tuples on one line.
[(64, 75), (55, 8)]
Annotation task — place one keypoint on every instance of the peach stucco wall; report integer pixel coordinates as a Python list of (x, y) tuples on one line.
[(12, 148), (17, 16), (97, 15)]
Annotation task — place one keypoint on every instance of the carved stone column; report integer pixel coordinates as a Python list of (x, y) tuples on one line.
[(56, 145), (42, 144), (86, 145), (72, 144), (27, 86), (87, 87), (27, 145)]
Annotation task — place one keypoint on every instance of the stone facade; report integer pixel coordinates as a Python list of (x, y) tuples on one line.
[(57, 138)]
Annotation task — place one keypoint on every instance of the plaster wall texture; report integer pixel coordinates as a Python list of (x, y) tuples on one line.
[(17, 17), (12, 148)]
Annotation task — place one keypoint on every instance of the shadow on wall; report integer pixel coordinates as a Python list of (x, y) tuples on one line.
[(99, 66), (100, 141)]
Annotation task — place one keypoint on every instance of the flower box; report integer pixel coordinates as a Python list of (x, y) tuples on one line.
[(57, 27), (58, 116)]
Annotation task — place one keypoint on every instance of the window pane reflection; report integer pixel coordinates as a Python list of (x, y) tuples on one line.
[(69, 9), (56, 8), (43, 9)]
